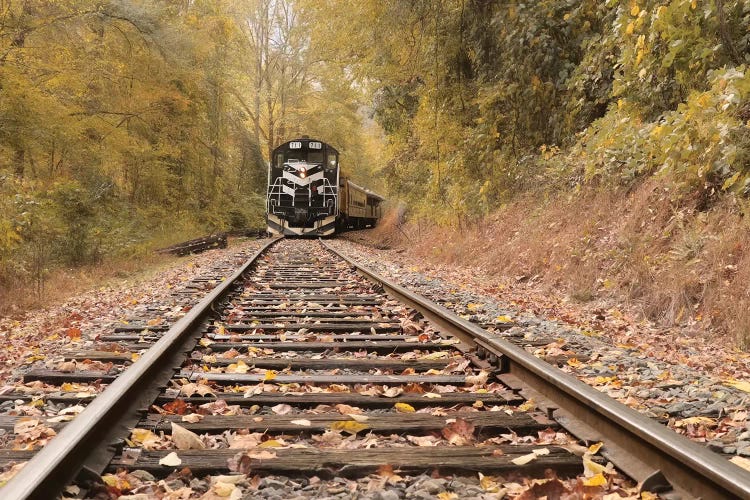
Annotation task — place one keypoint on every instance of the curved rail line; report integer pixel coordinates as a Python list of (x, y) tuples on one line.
[(644, 449), (647, 451)]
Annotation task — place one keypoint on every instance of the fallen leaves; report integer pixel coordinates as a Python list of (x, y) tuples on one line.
[(392, 392), (185, 439), (8, 474), (281, 409), (741, 462), (478, 379), (739, 384), (73, 333), (424, 440), (170, 460), (242, 461), (199, 388), (459, 432), (404, 408), (349, 426), (530, 457), (30, 433), (238, 367), (145, 438), (386, 472)]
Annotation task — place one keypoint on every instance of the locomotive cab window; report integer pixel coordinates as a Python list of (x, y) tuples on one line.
[(315, 157), (331, 160), (279, 160)]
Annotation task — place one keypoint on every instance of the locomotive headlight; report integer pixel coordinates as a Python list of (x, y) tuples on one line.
[(303, 172)]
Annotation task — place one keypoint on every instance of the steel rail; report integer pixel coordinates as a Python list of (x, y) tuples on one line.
[(648, 448), (55, 465)]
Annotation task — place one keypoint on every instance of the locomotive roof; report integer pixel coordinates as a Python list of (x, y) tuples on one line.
[(307, 140)]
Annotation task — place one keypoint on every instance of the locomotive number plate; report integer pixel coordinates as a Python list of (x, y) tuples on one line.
[(314, 145), (295, 145)]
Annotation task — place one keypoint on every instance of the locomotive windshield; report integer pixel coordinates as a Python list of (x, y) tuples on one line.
[(306, 151)]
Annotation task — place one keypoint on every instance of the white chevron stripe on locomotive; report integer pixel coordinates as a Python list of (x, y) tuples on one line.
[(303, 182)]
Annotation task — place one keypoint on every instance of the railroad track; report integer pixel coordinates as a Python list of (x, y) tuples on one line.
[(303, 365)]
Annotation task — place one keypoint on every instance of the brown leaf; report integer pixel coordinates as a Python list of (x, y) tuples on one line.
[(392, 392), (459, 433), (281, 409), (73, 333), (193, 388), (185, 439), (176, 407), (347, 410), (386, 472), (424, 440)]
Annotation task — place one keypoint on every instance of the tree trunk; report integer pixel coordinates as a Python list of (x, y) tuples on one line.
[(18, 162)]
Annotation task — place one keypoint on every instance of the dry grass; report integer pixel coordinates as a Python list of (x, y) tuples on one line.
[(637, 249), (62, 284)]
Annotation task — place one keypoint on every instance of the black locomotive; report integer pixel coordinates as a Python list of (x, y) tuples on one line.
[(307, 196)]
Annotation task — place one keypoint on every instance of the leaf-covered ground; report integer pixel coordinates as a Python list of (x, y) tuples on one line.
[(41, 335), (698, 388)]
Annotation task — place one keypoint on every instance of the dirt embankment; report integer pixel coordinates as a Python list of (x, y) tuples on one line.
[(636, 250)]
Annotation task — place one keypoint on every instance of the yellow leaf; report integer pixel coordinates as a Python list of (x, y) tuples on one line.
[(594, 448), (205, 342), (270, 375), (741, 462), (144, 437), (592, 468), (526, 406), (629, 29), (730, 182), (135, 357), (404, 408), (349, 426), (695, 421), (447, 495), (488, 484), (271, 443), (596, 480), (239, 367), (504, 319), (574, 363), (436, 355), (635, 10), (739, 384), (224, 489), (116, 482)]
